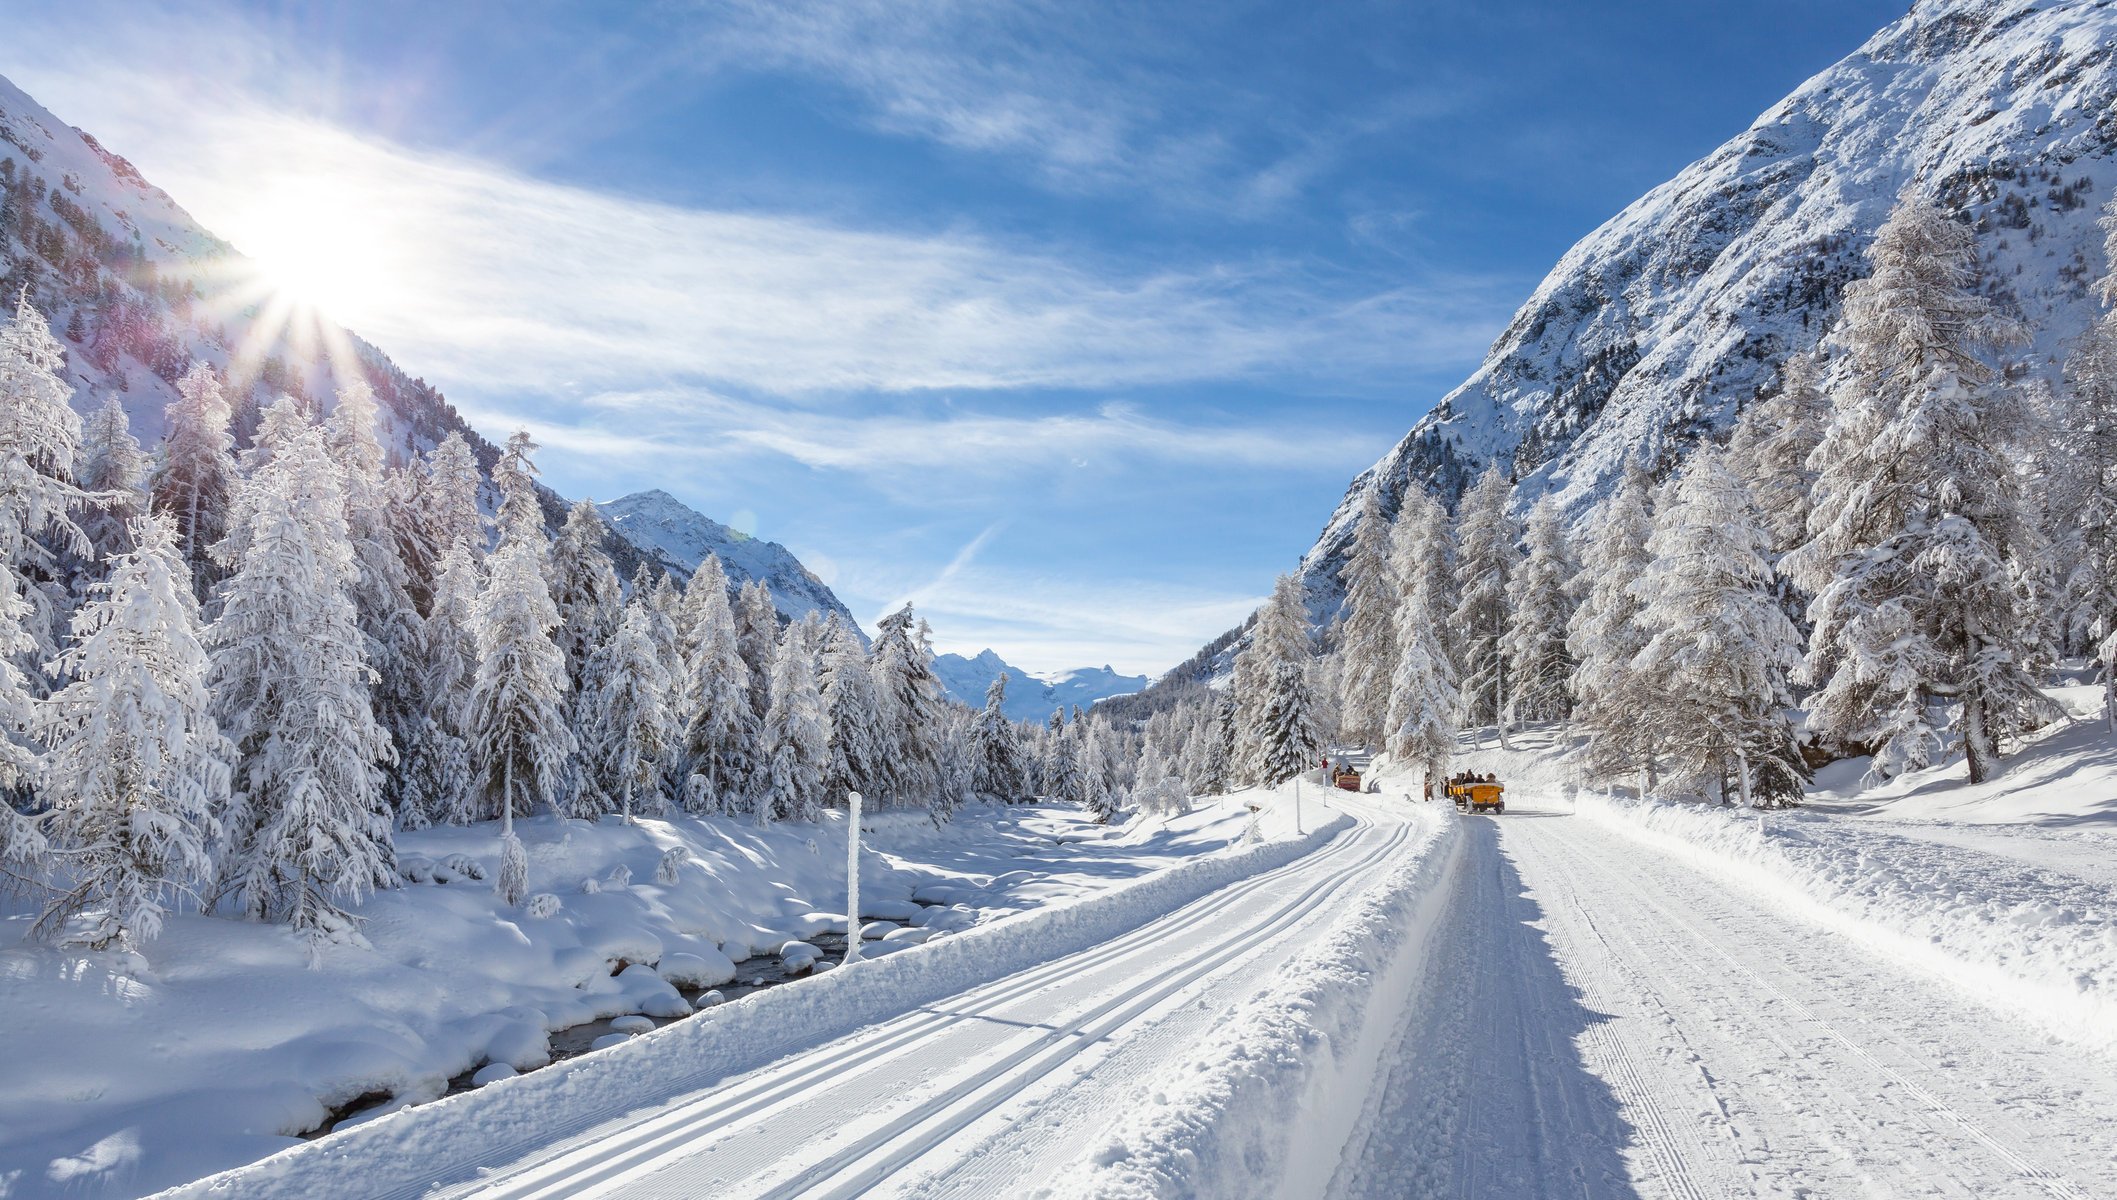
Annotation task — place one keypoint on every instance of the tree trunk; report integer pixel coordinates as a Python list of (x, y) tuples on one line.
[(1742, 766), (1977, 739), (507, 796)]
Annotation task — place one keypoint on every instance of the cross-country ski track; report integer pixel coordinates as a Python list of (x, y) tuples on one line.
[(1585, 1016)]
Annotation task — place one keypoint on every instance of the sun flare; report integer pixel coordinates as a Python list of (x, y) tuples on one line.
[(317, 246)]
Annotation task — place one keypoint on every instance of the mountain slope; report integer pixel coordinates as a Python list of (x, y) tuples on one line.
[(1030, 697), (1655, 329), (677, 537)]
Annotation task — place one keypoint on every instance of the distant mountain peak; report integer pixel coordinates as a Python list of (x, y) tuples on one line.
[(678, 537), (1031, 695)]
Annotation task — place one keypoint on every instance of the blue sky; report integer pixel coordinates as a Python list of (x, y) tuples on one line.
[(1068, 321)]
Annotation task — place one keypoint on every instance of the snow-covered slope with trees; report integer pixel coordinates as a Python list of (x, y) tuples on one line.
[(677, 537), (1654, 330), (1030, 696)]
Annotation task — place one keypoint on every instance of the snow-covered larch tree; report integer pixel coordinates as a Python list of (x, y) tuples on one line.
[(848, 688), (448, 496), (625, 727), (997, 750), (2085, 483), (1279, 735), (307, 829), (113, 471), (1921, 545), (1061, 768), (136, 772), (196, 476), (40, 445), (1606, 633), (439, 788), (757, 639), (721, 764), (1422, 688), (796, 733), (1540, 601), (1771, 445), (1097, 796), (380, 597), (1367, 627), (584, 587), (517, 711), (908, 700), (1715, 669), (1485, 563)]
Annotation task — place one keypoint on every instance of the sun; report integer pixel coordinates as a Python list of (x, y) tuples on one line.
[(319, 246)]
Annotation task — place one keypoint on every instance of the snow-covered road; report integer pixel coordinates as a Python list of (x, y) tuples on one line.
[(1601, 1020), (994, 1088)]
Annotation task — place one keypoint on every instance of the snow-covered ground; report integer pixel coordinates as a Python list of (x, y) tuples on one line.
[(124, 1075)]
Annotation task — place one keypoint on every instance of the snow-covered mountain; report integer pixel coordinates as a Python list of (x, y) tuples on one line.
[(1030, 697), (1655, 329), (678, 538)]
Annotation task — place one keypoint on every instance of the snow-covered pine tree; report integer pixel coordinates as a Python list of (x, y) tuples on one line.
[(757, 638), (136, 772), (956, 774), (848, 688), (719, 751), (196, 476), (585, 589), (625, 726), (2085, 483), (1423, 688), (1097, 796), (997, 750), (1772, 441), (113, 470), (1485, 564), (307, 828), (1061, 770), (796, 734), (380, 598), (1279, 736), (1606, 634), (1367, 627), (40, 445), (1921, 546), (517, 712), (1540, 602), (908, 701), (22, 844), (448, 496), (1716, 667), (439, 787)]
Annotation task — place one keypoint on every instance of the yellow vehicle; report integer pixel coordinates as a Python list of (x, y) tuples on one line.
[(1477, 793)]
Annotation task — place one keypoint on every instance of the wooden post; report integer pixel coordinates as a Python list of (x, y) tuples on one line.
[(852, 878)]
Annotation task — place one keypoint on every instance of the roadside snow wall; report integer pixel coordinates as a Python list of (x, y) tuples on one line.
[(1310, 1044), (2038, 945), (411, 1153)]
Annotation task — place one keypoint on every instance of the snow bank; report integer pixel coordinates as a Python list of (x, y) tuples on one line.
[(1310, 1044), (450, 1140), (2035, 943)]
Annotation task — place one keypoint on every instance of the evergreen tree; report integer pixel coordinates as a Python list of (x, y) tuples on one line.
[(439, 786), (848, 687), (137, 772), (1539, 666), (1606, 634), (113, 472), (1921, 549), (2085, 470), (957, 772), (381, 601), (757, 639), (997, 751), (40, 444), (1096, 794), (908, 702), (718, 748), (1422, 692), (1062, 779), (1771, 445), (1367, 627), (625, 730), (1716, 667), (196, 477), (796, 734), (307, 828), (448, 497), (1485, 562), (22, 843), (517, 711), (1279, 734), (585, 589)]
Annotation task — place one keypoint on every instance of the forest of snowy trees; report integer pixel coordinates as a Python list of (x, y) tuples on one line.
[(230, 677), (1888, 556)]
